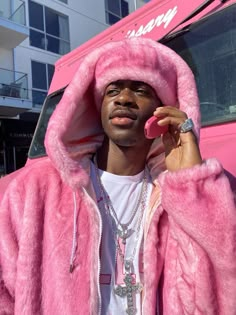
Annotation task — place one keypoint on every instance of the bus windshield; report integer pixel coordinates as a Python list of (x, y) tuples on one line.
[(209, 48), (37, 148)]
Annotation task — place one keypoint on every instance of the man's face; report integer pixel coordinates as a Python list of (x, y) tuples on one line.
[(126, 106)]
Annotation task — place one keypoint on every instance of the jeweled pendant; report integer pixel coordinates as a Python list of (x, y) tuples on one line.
[(129, 291), (124, 234)]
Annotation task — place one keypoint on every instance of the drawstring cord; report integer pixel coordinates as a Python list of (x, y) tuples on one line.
[(74, 241)]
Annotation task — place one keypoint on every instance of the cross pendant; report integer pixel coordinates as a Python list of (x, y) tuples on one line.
[(128, 291)]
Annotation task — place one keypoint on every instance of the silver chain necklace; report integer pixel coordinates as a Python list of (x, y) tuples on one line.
[(130, 288), (122, 229)]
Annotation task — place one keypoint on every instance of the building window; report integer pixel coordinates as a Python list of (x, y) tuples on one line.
[(49, 30), (41, 78), (116, 10), (65, 1)]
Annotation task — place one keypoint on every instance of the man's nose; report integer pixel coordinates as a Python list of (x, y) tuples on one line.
[(125, 98)]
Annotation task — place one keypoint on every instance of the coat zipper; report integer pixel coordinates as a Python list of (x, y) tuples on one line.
[(145, 237), (99, 262)]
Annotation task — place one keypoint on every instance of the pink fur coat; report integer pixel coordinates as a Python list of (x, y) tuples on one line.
[(189, 248), (50, 223)]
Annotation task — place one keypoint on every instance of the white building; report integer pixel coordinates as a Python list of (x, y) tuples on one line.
[(33, 35)]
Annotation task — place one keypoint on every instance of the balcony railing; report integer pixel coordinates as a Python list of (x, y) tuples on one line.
[(13, 11), (13, 84)]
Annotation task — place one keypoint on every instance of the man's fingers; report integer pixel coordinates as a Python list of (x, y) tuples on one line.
[(168, 142), (170, 111), (170, 116), (170, 120)]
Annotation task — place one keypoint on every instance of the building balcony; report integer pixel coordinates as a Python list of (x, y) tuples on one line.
[(14, 98), (13, 29)]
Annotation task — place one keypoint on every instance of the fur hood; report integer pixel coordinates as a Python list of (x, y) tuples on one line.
[(75, 132), (189, 254)]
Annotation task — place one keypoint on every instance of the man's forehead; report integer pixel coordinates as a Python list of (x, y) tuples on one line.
[(131, 83)]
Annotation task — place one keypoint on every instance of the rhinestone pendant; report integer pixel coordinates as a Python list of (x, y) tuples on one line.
[(129, 291), (124, 234)]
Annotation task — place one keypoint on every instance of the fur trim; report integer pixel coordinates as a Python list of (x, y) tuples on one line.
[(74, 130), (182, 178), (155, 64)]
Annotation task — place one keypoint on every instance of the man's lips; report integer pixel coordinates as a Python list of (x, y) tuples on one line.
[(122, 121), (123, 114), (122, 118)]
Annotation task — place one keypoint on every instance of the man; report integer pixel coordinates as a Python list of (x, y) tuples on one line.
[(112, 222)]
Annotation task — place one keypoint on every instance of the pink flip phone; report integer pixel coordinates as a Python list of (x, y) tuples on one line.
[(152, 129)]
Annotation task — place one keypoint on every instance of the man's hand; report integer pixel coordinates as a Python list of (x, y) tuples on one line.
[(181, 149)]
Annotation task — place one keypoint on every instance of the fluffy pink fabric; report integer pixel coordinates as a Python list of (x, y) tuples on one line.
[(74, 130), (36, 228), (189, 249), (155, 64), (190, 231), (201, 230)]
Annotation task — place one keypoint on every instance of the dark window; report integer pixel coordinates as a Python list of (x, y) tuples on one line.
[(52, 23), (116, 10), (49, 30), (39, 74), (41, 78), (124, 8), (36, 15), (37, 39), (114, 6), (50, 73), (112, 18), (38, 97), (53, 44)]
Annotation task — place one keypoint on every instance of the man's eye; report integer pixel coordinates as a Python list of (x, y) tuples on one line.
[(142, 91), (112, 91)]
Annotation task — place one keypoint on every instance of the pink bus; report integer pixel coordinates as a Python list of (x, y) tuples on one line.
[(204, 34)]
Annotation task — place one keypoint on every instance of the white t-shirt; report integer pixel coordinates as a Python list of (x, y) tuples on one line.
[(123, 192)]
